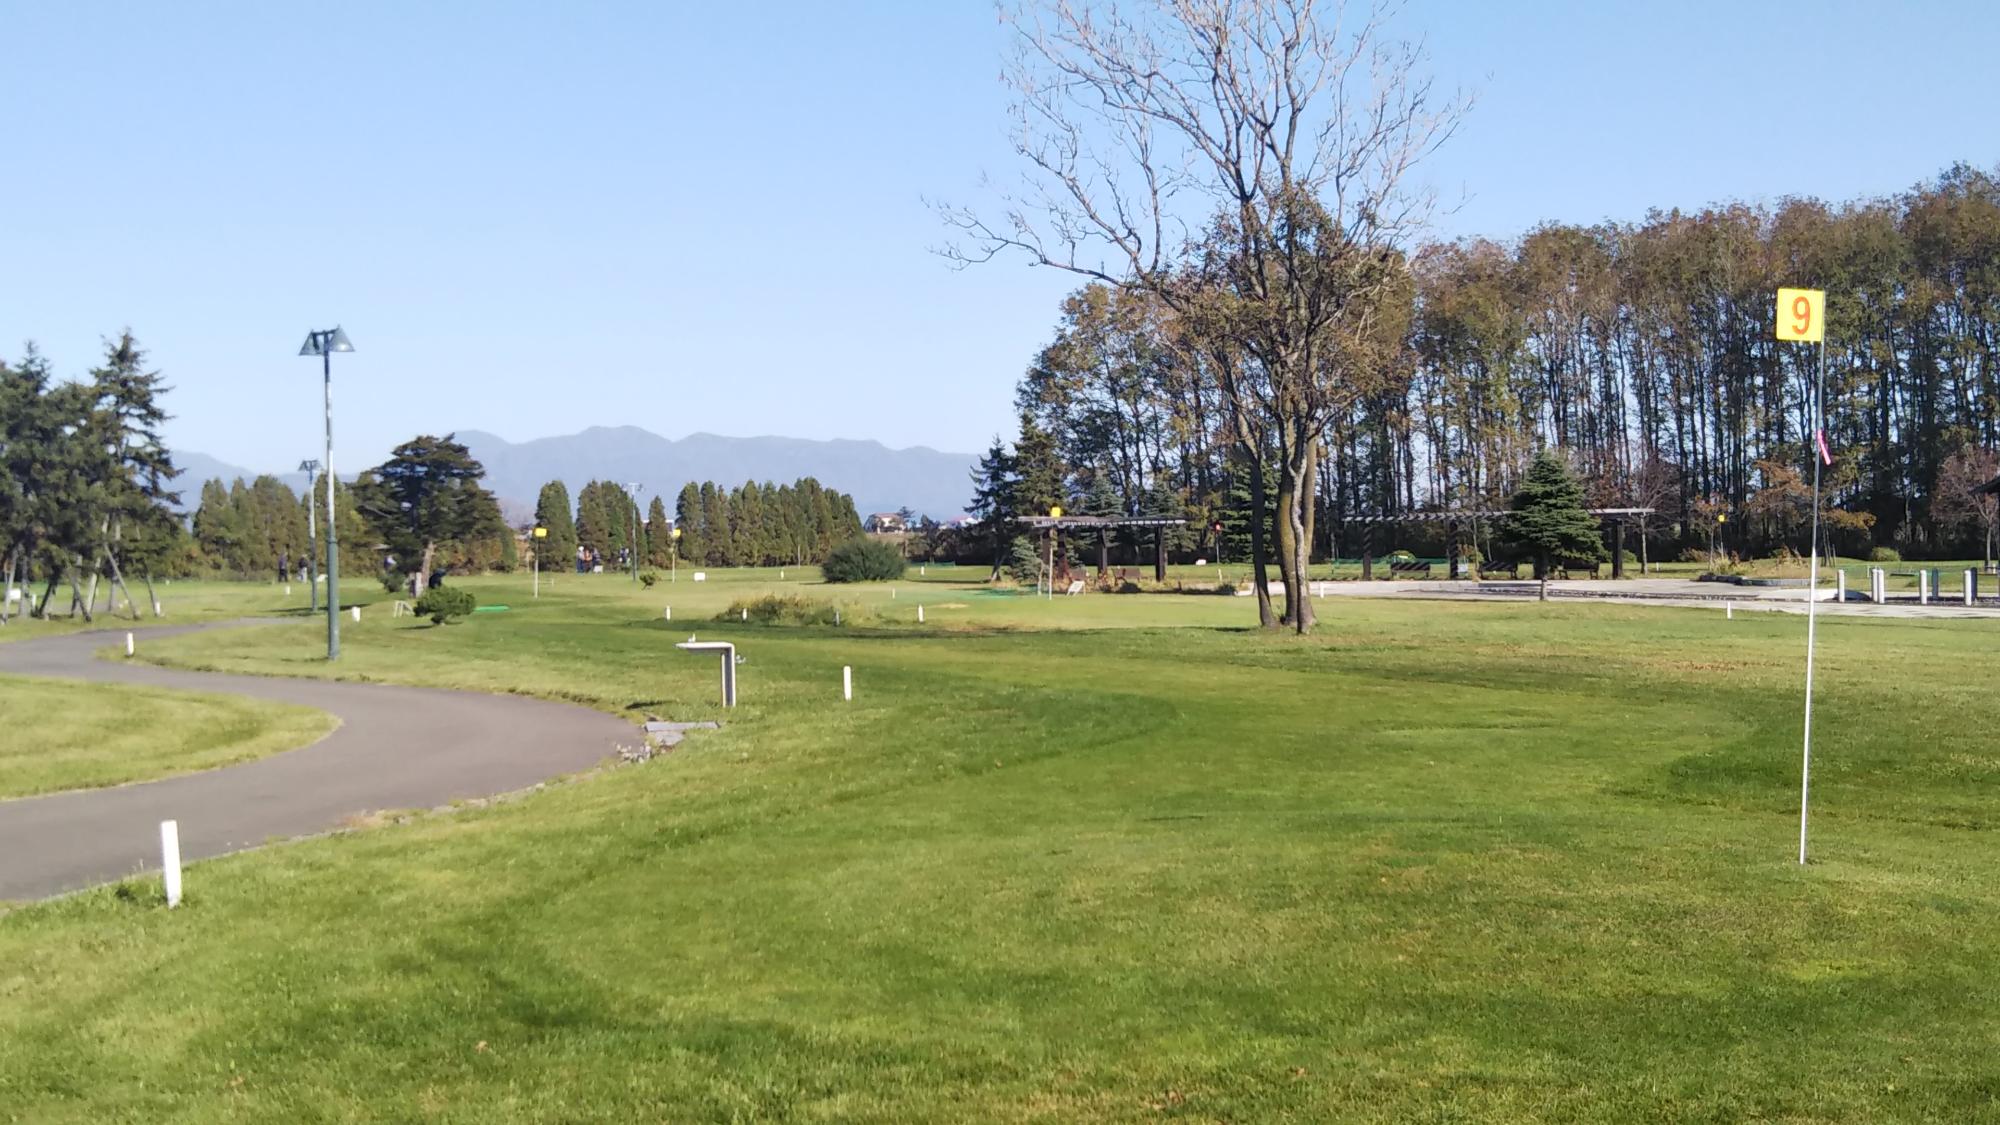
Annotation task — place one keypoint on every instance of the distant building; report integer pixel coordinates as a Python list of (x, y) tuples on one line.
[(885, 523)]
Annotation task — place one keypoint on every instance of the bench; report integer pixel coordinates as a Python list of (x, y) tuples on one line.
[(1499, 570), (1416, 569)]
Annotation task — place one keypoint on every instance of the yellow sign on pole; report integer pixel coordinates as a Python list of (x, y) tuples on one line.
[(1802, 315)]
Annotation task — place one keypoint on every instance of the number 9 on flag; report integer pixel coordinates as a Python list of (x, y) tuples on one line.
[(1802, 315)]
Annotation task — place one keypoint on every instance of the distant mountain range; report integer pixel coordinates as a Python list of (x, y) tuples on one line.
[(879, 478)]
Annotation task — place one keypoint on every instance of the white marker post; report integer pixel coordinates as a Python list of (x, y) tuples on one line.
[(669, 613), (1923, 587), (1840, 585), (1971, 586), (170, 861), (128, 644), (847, 682), (357, 614), (1729, 611), (1802, 317), (920, 615), (745, 614)]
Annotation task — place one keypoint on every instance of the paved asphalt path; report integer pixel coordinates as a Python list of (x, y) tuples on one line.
[(395, 748)]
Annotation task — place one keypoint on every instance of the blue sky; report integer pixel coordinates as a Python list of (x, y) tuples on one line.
[(535, 218)]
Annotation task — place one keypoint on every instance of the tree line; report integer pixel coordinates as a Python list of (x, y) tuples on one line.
[(750, 525), (1643, 350)]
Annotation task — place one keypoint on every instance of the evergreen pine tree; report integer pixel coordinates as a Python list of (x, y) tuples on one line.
[(657, 535), (689, 520), (993, 501), (557, 550), (1549, 519)]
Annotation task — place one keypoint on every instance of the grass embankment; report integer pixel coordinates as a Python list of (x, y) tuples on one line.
[(1440, 862), (66, 735)]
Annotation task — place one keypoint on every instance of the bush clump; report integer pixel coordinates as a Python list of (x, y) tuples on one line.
[(786, 609), (863, 560), (1885, 554), (443, 603), (648, 577)]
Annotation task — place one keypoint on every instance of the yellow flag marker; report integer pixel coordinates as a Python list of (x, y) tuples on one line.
[(1802, 315)]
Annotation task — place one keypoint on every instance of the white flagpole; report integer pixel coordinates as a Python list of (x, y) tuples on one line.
[(1812, 589)]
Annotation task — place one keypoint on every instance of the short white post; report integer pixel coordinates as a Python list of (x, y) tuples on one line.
[(128, 644), (1971, 585), (1923, 587), (669, 615), (892, 593), (157, 611), (781, 574), (288, 589), (836, 615), (847, 682), (1729, 611), (1877, 585), (170, 860), (1839, 585), (920, 615), (923, 570), (745, 613)]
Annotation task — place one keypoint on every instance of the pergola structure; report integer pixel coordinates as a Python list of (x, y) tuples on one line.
[(1055, 525), (1454, 518)]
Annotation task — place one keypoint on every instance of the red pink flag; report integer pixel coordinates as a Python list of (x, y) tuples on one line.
[(1825, 455)]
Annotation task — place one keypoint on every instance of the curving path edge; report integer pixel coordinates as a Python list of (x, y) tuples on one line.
[(395, 748)]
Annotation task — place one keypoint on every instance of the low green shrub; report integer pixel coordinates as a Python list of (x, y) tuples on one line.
[(648, 577), (1024, 563), (788, 609), (1885, 554), (443, 603), (863, 560)]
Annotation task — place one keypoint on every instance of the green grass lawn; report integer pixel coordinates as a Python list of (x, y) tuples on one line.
[(189, 601), (1092, 859), (66, 735)]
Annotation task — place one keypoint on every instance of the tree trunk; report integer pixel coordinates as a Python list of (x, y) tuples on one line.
[(118, 585), (76, 597), (1295, 489), (424, 569), (1287, 541), (49, 591), (152, 598), (1542, 572), (7, 587), (1259, 574)]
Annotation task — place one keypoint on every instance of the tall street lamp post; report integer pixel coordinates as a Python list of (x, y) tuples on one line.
[(310, 468), (632, 493), (324, 344)]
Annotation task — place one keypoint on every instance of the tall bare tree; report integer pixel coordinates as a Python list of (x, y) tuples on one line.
[(1266, 143)]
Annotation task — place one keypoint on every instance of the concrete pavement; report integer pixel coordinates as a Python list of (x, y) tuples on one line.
[(395, 748)]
